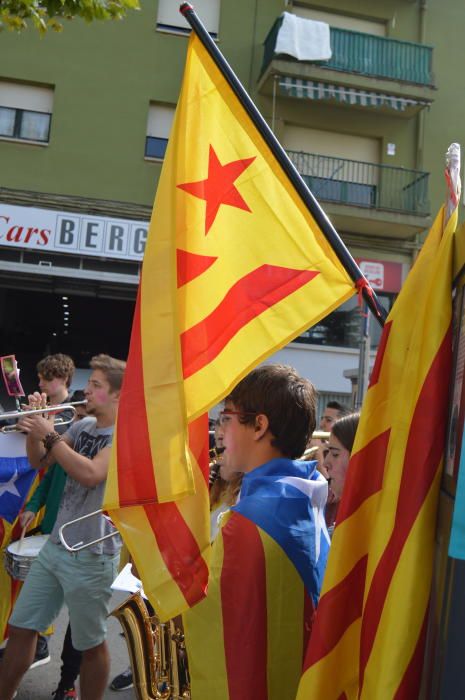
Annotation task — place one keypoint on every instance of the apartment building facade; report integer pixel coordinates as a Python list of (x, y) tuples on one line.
[(84, 120)]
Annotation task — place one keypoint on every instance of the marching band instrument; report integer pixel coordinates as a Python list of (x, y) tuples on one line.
[(157, 652), (80, 545), (58, 408), (214, 466), (318, 434), (19, 555)]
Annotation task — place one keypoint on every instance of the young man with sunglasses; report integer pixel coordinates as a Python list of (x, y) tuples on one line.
[(247, 638)]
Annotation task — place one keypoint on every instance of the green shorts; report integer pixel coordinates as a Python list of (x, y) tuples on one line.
[(82, 580)]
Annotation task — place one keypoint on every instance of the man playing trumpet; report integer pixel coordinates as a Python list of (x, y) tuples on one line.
[(82, 580)]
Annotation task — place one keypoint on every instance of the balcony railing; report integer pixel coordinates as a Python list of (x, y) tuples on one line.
[(367, 54), (364, 184)]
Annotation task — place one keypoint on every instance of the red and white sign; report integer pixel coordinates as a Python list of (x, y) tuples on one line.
[(79, 234), (374, 272), (382, 275)]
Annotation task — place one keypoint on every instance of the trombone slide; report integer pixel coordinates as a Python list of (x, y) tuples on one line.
[(81, 545)]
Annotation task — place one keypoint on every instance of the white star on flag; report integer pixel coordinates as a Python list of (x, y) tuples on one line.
[(9, 486), (317, 492)]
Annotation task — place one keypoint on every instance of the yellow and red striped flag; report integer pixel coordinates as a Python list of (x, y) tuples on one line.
[(369, 633), (235, 267)]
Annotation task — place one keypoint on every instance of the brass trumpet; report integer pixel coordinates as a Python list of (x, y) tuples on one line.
[(58, 408)]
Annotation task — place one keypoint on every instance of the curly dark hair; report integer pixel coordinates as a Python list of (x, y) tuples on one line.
[(287, 399), (54, 366)]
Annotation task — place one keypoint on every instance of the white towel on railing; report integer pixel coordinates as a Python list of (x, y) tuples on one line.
[(304, 39)]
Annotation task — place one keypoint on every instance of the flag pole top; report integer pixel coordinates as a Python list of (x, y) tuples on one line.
[(184, 7), (452, 174)]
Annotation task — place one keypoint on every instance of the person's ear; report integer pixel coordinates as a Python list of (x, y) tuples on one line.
[(261, 426)]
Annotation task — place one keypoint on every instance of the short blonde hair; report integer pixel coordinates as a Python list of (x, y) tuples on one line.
[(112, 368)]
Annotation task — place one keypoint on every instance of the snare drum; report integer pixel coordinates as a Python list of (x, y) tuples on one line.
[(17, 563)]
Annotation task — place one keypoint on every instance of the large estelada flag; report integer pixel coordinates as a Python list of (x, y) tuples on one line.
[(17, 482), (369, 634), (247, 639), (235, 268)]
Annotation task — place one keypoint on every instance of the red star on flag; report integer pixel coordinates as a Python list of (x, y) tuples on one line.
[(218, 188)]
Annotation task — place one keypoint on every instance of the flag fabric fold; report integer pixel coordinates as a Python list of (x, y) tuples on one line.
[(235, 267), (248, 638), (370, 627), (17, 482)]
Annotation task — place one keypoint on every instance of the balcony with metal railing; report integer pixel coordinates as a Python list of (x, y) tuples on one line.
[(367, 54), (367, 186), (359, 61)]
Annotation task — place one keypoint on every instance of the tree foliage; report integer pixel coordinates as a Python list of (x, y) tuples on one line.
[(47, 14)]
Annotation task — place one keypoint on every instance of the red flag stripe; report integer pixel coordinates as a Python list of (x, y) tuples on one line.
[(248, 298), (191, 265), (136, 480), (375, 372), (425, 448), (245, 636), (337, 610), (179, 550), (361, 483), (410, 684), (199, 445)]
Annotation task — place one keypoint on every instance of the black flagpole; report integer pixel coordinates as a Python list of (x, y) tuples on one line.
[(281, 156)]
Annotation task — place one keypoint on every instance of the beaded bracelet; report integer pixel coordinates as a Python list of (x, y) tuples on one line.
[(51, 439)]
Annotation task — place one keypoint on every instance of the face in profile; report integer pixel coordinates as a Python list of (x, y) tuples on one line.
[(218, 435), (328, 418), (237, 440), (336, 462), (98, 393), (52, 386)]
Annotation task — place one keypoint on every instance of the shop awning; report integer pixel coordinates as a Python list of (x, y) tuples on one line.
[(311, 90)]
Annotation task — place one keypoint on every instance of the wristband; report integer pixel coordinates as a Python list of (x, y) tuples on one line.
[(51, 439)]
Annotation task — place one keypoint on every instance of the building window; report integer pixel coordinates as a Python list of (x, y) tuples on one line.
[(160, 119), (169, 19), (25, 112), (342, 328)]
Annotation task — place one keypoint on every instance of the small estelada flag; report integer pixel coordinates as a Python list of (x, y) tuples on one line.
[(235, 268)]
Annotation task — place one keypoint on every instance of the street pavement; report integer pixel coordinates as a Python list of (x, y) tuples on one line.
[(40, 682)]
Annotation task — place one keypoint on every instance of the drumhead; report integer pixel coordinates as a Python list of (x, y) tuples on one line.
[(30, 547)]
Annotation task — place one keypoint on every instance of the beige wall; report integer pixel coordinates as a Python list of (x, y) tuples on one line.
[(329, 143), (333, 145)]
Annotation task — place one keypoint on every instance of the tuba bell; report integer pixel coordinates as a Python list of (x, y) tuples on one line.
[(157, 652)]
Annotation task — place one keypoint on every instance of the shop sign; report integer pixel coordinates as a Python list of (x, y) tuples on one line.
[(80, 234), (383, 276)]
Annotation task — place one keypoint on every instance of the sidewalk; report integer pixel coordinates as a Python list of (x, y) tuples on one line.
[(40, 683)]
